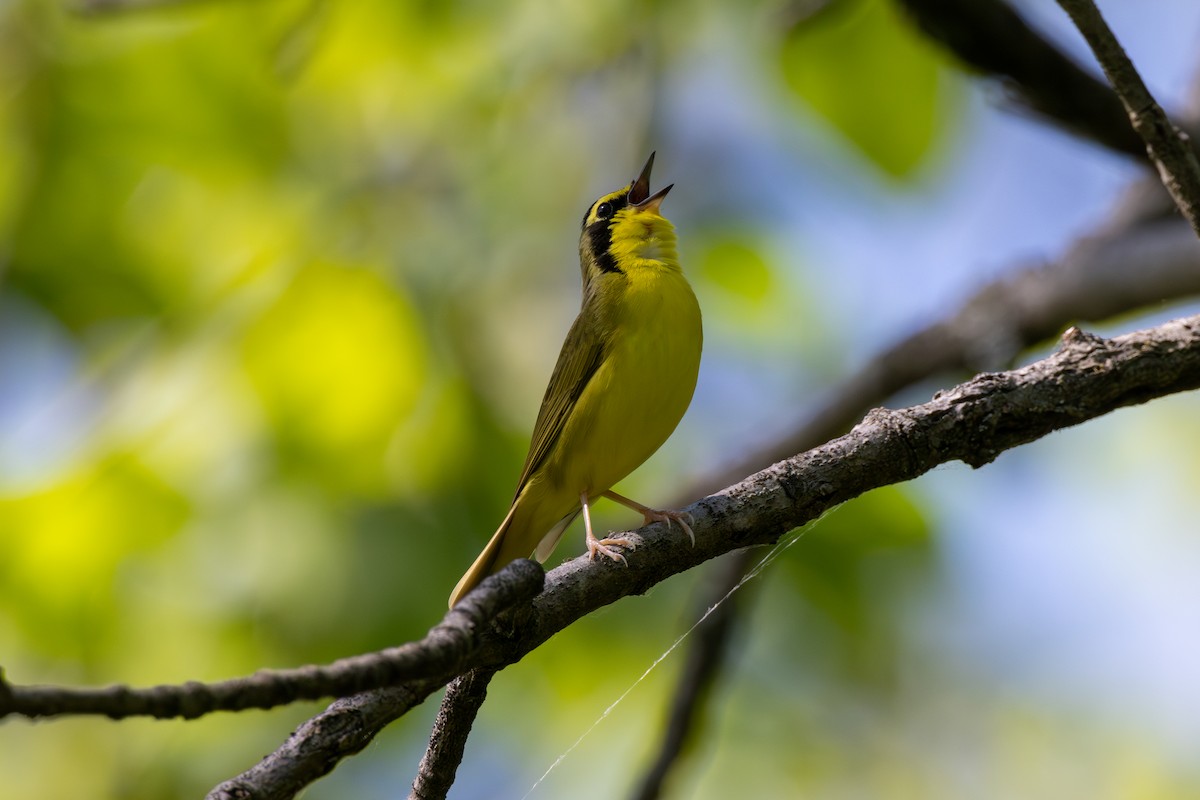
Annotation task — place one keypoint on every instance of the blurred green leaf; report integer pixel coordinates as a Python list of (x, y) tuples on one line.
[(738, 269), (338, 362), (883, 519), (65, 542), (131, 102), (855, 567), (871, 76)]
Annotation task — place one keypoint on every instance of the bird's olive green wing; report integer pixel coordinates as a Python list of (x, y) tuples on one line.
[(581, 356)]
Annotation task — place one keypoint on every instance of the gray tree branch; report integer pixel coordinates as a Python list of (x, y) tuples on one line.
[(370, 711), (1094, 281), (464, 696), (316, 747), (440, 656), (974, 422)]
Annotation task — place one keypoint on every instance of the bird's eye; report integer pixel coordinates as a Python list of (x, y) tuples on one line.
[(604, 211)]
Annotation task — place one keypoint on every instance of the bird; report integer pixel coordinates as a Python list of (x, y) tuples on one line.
[(623, 380)]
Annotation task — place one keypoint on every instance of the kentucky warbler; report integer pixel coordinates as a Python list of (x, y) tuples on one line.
[(623, 380)]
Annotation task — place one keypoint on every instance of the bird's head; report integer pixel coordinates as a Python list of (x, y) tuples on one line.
[(624, 230)]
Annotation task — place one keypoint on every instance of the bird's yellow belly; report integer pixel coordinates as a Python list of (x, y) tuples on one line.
[(638, 395)]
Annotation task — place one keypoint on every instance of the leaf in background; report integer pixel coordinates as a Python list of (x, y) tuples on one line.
[(855, 570), (733, 264), (746, 288), (859, 65), (65, 543), (338, 363)]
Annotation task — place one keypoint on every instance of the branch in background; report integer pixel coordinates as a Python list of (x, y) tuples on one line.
[(991, 37), (439, 656), (1168, 148), (710, 640), (973, 422), (1095, 281), (464, 696), (320, 744)]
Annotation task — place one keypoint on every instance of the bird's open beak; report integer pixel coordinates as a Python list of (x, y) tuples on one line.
[(639, 193)]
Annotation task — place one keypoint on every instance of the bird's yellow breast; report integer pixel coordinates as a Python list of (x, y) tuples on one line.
[(646, 381)]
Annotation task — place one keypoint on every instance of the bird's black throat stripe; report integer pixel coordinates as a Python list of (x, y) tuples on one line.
[(600, 236), (599, 240)]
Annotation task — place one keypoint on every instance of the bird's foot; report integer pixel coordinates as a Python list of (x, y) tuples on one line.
[(654, 515), (605, 547)]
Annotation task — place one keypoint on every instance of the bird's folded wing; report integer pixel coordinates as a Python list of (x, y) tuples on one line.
[(581, 356)]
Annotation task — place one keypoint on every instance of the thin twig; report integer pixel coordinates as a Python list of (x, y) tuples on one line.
[(439, 656), (1168, 147), (448, 740)]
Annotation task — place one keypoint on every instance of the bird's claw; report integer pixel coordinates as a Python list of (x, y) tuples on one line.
[(605, 547), (684, 519)]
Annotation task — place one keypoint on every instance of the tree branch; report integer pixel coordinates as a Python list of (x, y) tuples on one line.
[(320, 744), (464, 696), (1093, 282), (413, 673), (974, 422), (440, 655), (1167, 146)]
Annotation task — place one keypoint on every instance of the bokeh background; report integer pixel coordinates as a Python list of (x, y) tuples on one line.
[(281, 284)]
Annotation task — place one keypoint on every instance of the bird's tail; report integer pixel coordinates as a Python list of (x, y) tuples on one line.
[(485, 564)]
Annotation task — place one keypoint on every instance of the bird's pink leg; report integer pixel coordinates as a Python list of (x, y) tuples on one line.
[(654, 515), (603, 546)]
